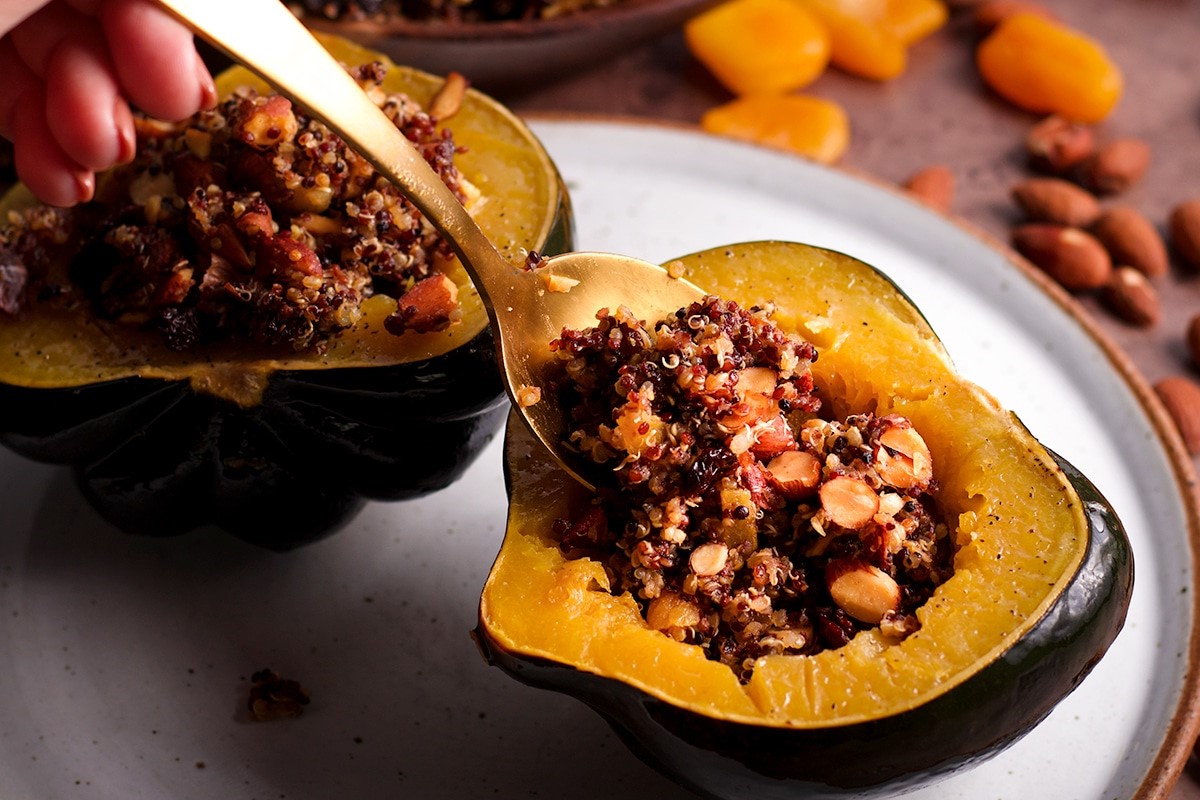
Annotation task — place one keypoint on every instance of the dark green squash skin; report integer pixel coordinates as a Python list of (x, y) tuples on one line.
[(154, 457), (884, 757)]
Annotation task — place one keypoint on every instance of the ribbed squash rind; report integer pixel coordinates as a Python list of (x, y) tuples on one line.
[(1002, 642)]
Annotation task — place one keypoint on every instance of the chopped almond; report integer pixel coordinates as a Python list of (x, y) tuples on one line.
[(863, 591), (849, 502), (430, 305), (796, 473), (903, 459)]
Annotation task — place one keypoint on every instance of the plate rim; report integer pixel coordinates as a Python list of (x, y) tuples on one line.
[(1181, 734)]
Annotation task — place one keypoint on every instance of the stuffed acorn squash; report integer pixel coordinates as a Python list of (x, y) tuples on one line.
[(268, 436), (1041, 580)]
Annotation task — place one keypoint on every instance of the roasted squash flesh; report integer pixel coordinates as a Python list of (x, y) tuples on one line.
[(520, 203), (1021, 528)]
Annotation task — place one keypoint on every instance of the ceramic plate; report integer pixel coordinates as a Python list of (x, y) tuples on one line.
[(125, 663)]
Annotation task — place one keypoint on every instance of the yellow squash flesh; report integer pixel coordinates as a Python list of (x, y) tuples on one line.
[(519, 208), (1020, 526)]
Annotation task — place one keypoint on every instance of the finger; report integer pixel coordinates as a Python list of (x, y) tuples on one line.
[(18, 79), (83, 104), (41, 164), (38, 36), (157, 63)]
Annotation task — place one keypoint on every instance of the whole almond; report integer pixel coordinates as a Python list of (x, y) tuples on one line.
[(1181, 397), (1132, 239), (1072, 257), (1184, 227), (1132, 297), (933, 186), (992, 12), (1056, 200), (1193, 340), (1115, 166), (1057, 144)]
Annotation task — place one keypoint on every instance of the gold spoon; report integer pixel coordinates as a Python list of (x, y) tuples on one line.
[(268, 39)]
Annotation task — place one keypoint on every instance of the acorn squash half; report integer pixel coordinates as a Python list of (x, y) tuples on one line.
[(1043, 576), (280, 448)]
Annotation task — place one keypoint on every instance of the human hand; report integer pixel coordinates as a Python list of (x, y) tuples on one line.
[(72, 69)]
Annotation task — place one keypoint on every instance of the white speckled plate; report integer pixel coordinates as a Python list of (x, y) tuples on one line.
[(125, 663)]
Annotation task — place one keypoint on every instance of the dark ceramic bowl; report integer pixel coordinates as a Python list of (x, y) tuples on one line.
[(515, 55)]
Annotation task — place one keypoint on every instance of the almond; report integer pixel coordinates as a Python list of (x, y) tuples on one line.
[(1193, 339), (1057, 144), (1115, 166), (1185, 232), (1131, 297), (797, 473), (1070, 256), (449, 98), (863, 590), (709, 559), (1132, 239), (1056, 200), (933, 186), (849, 502), (1181, 397), (430, 305)]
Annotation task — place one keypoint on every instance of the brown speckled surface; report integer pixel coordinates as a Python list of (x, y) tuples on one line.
[(940, 112)]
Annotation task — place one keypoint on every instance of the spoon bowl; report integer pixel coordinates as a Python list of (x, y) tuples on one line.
[(528, 307)]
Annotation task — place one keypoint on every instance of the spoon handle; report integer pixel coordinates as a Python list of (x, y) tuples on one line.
[(268, 39)]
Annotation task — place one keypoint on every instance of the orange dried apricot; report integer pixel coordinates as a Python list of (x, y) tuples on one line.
[(1047, 67), (859, 44), (759, 46), (811, 126), (912, 20)]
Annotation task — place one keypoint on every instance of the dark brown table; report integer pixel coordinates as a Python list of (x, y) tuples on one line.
[(939, 111)]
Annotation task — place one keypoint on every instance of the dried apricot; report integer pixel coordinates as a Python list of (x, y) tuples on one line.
[(1047, 67), (811, 126), (912, 20), (760, 46), (859, 43)]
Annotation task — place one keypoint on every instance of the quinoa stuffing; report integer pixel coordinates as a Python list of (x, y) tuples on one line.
[(741, 519), (251, 221), (444, 11)]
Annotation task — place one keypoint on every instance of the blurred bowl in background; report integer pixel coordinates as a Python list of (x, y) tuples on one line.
[(510, 56)]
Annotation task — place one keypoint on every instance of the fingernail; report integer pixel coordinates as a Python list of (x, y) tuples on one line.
[(85, 186), (208, 89), (126, 137)]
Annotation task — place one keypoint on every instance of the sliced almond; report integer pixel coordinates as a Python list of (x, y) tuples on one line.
[(772, 437), (902, 458), (849, 502), (448, 99), (862, 590), (796, 472), (709, 559), (760, 380), (430, 305)]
